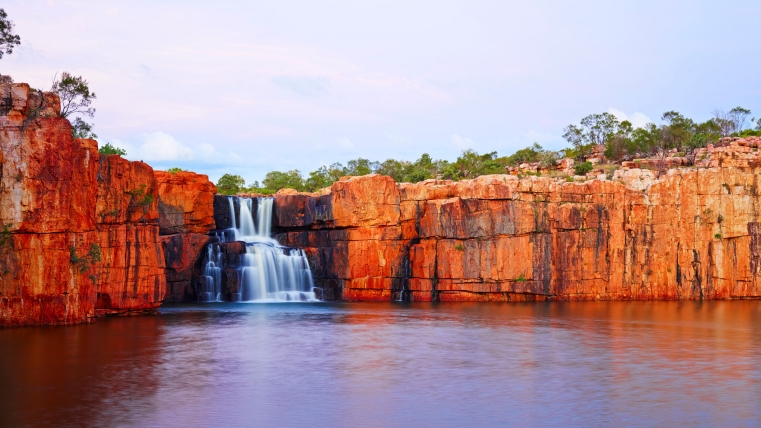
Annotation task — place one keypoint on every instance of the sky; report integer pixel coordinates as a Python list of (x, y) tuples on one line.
[(247, 87)]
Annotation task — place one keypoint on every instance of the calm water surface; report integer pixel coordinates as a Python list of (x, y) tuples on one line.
[(364, 364)]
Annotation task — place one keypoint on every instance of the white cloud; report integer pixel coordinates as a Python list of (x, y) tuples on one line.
[(638, 120), (161, 147), (461, 142)]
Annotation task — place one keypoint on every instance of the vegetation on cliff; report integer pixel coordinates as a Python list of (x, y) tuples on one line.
[(76, 98), (108, 149), (619, 140), (8, 40)]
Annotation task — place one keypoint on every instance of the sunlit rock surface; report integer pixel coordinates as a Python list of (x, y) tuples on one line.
[(690, 233), (186, 215), (60, 201)]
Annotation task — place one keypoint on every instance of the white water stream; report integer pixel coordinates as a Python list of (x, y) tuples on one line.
[(268, 272)]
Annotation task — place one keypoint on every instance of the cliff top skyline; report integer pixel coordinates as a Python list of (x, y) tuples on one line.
[(245, 89)]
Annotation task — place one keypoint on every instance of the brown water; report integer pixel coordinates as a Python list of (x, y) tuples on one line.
[(363, 364)]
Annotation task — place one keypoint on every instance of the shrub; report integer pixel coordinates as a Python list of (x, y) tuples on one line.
[(84, 263), (108, 149), (6, 240), (582, 168)]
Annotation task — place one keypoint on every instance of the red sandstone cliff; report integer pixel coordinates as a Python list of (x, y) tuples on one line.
[(61, 201), (80, 231), (186, 208), (692, 234)]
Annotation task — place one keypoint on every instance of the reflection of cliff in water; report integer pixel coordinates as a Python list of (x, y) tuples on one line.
[(604, 363), (105, 374)]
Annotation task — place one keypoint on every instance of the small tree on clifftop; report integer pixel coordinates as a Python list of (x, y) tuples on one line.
[(230, 184), (76, 98), (8, 40)]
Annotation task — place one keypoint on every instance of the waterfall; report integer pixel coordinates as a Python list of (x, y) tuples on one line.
[(264, 216), (268, 271), (247, 228), (232, 212), (212, 271)]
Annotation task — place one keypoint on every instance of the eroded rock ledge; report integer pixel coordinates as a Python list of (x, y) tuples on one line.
[(693, 233), (81, 232)]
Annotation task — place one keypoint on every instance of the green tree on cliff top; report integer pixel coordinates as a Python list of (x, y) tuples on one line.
[(230, 184), (108, 149), (8, 40), (76, 98)]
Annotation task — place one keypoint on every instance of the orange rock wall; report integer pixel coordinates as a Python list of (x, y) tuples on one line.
[(186, 215), (691, 234), (58, 196)]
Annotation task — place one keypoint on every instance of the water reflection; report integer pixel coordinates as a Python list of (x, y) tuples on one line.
[(90, 375), (622, 363)]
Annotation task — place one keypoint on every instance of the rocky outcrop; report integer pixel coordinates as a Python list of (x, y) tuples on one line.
[(186, 215), (183, 253), (692, 233), (185, 203), (80, 233)]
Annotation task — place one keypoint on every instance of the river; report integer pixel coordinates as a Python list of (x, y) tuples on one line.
[(392, 365)]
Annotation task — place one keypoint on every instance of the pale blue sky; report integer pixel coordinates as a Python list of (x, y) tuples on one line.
[(248, 87)]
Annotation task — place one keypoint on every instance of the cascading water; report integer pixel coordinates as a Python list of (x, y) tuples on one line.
[(213, 273), (267, 271)]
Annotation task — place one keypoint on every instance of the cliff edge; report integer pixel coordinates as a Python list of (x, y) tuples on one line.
[(692, 233), (79, 231)]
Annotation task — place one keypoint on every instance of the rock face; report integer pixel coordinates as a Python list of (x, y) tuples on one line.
[(186, 215), (689, 234), (80, 232), (185, 203)]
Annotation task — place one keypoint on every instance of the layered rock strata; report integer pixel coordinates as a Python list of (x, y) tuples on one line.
[(186, 215), (692, 233), (79, 230), (85, 235)]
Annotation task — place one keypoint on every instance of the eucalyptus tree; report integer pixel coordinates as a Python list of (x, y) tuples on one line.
[(8, 40), (76, 99)]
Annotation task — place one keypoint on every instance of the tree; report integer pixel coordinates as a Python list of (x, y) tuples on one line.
[(76, 98), (108, 149), (731, 122), (230, 184), (358, 167), (595, 129), (470, 164), (82, 129), (422, 169), (276, 180), (527, 155), (394, 169), (619, 147), (75, 95), (678, 131), (8, 40), (738, 116), (324, 177)]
